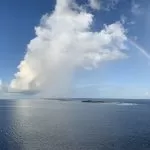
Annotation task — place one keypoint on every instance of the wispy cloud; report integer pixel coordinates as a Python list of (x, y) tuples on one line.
[(106, 5), (147, 93), (111, 4), (141, 49), (89, 85), (123, 19), (135, 8)]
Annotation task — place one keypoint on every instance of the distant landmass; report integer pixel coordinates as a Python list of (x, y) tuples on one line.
[(101, 100)]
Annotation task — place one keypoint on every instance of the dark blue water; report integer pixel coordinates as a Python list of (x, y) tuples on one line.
[(67, 125)]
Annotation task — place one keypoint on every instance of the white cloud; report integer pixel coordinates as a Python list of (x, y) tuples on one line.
[(95, 4), (64, 42)]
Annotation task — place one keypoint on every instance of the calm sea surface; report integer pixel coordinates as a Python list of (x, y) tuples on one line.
[(74, 125)]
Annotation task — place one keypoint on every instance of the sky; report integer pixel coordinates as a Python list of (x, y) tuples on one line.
[(82, 48)]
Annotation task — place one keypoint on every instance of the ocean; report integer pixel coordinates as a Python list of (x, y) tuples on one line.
[(74, 125)]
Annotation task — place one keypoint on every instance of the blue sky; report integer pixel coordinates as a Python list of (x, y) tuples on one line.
[(127, 78), (18, 19)]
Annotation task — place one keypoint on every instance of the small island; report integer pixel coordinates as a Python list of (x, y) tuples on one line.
[(93, 101)]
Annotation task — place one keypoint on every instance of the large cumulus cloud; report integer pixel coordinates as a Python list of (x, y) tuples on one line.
[(64, 41)]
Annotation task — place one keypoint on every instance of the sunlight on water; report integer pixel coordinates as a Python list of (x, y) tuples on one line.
[(67, 125)]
